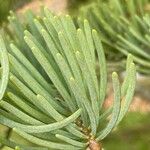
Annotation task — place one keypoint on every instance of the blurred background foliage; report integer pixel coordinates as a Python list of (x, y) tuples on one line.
[(7, 5), (133, 133), (123, 26)]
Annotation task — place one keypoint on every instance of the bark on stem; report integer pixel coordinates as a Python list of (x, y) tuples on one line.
[(94, 145)]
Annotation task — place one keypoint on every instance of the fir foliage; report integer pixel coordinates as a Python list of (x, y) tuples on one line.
[(54, 97), (123, 26)]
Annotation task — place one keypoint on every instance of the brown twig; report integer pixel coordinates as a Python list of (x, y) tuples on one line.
[(94, 145)]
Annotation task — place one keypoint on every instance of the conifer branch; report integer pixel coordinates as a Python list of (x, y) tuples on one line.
[(54, 97)]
